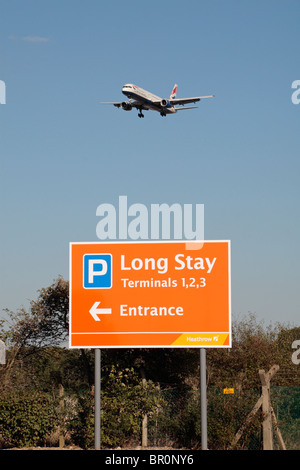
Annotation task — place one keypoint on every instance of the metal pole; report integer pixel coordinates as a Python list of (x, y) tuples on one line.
[(203, 398), (97, 399)]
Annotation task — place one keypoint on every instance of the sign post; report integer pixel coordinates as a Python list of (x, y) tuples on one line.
[(97, 399), (203, 399), (150, 295)]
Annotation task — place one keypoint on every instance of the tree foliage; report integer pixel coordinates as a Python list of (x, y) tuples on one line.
[(125, 399), (26, 418), (38, 363)]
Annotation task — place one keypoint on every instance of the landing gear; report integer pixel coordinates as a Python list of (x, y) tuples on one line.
[(162, 114), (140, 115)]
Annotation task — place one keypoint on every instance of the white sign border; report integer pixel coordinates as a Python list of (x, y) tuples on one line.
[(123, 242)]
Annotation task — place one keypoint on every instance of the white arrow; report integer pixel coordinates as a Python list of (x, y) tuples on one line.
[(94, 311)]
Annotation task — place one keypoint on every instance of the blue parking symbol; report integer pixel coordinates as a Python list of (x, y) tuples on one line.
[(97, 271)]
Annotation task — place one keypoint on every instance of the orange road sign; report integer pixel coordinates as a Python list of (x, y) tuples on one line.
[(150, 294)]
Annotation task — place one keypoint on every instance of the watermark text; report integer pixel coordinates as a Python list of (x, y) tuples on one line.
[(296, 94), (160, 221), (2, 92), (296, 354)]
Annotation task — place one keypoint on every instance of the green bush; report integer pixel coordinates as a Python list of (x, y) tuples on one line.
[(124, 401), (26, 419), (82, 425)]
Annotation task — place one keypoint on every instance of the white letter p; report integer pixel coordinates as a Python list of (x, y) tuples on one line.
[(92, 272)]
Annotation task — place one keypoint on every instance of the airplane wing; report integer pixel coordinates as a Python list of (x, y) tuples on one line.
[(188, 107), (183, 101), (127, 105), (117, 104)]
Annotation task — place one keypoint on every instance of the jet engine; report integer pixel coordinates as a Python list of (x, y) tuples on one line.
[(165, 103), (126, 106)]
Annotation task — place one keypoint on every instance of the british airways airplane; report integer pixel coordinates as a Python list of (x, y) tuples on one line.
[(144, 100)]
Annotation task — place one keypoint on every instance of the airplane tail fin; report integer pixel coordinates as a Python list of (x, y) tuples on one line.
[(173, 93)]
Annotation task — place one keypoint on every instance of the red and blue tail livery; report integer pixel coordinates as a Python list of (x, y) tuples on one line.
[(174, 93)]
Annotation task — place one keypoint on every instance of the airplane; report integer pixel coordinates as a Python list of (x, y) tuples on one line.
[(144, 100)]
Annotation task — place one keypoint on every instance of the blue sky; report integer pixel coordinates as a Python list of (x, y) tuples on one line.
[(63, 154)]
